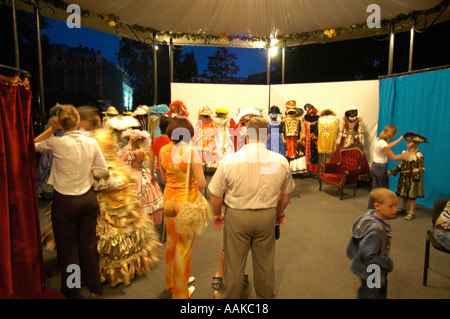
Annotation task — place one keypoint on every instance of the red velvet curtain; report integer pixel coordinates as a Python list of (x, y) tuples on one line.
[(21, 261)]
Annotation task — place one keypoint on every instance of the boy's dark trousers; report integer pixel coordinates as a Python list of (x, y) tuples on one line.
[(364, 292)]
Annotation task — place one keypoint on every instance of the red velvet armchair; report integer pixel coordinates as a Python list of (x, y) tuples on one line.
[(344, 173)]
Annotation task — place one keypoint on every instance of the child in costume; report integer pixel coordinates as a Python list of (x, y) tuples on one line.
[(370, 245), (149, 193), (410, 183)]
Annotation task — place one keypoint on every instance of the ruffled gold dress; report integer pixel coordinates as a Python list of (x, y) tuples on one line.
[(128, 244)]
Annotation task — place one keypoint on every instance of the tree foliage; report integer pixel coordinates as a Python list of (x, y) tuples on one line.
[(222, 64)]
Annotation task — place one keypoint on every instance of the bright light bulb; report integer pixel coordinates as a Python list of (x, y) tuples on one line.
[(273, 51), (156, 47)]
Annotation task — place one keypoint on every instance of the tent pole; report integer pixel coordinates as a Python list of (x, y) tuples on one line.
[(268, 67), (391, 49), (40, 67), (16, 38), (171, 59), (283, 61), (155, 71), (411, 48)]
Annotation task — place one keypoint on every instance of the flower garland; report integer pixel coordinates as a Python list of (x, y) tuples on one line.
[(114, 22)]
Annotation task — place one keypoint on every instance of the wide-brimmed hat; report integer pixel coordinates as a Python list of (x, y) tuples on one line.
[(222, 110), (205, 110), (111, 110), (274, 110), (414, 137)]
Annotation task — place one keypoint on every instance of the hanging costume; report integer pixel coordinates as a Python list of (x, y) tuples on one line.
[(205, 137), (309, 137), (291, 126), (410, 185), (224, 141), (275, 141), (328, 130), (351, 134)]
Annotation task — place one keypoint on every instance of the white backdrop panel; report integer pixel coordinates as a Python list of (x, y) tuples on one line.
[(330, 95)]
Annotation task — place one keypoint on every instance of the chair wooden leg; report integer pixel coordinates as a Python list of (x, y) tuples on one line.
[(320, 185), (354, 191), (427, 258), (341, 191)]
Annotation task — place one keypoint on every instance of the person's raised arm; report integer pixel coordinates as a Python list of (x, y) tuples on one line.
[(48, 132), (394, 143), (391, 154)]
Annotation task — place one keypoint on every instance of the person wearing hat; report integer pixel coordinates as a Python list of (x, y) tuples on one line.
[(410, 183), (205, 137), (275, 141)]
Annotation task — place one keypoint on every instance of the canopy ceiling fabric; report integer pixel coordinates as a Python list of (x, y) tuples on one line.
[(234, 22)]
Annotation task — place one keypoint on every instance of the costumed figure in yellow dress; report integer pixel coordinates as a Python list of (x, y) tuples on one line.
[(206, 133), (328, 130), (127, 241), (134, 154)]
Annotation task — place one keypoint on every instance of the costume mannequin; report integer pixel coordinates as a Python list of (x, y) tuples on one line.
[(291, 131), (205, 137), (328, 130), (275, 141), (351, 134), (224, 142), (309, 137)]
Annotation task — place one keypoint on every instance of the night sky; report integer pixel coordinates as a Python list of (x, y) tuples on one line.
[(250, 61)]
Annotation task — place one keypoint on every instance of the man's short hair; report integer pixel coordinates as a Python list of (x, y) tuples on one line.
[(257, 129), (380, 194)]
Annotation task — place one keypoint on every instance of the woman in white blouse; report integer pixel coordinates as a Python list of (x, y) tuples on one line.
[(381, 152), (76, 160)]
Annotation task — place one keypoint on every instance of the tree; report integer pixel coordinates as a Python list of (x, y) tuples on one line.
[(223, 64), (185, 67), (136, 59)]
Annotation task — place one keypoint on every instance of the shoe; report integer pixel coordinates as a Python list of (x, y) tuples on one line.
[(191, 290), (217, 295), (410, 216), (191, 280)]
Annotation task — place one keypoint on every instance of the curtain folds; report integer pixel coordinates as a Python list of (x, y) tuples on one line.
[(21, 261), (420, 103)]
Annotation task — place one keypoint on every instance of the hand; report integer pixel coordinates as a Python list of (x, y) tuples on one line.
[(54, 123), (415, 170), (281, 220), (218, 222), (389, 173)]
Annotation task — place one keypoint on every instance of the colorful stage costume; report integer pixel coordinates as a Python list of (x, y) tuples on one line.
[(206, 136), (351, 134), (309, 137), (149, 193), (291, 126), (328, 130), (275, 141), (127, 241)]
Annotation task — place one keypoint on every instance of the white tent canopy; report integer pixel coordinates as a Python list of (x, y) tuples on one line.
[(242, 23)]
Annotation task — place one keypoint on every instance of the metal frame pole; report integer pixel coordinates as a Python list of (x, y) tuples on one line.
[(411, 47), (391, 50), (171, 59), (283, 62), (15, 34), (41, 69), (155, 71)]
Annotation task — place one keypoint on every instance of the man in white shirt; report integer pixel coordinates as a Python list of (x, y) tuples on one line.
[(257, 183)]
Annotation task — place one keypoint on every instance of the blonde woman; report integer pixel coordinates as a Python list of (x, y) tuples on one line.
[(77, 160), (382, 151)]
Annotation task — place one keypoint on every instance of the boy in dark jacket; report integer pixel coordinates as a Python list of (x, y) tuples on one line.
[(368, 249)]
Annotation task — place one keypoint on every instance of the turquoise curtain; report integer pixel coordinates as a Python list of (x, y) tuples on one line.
[(420, 103)]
